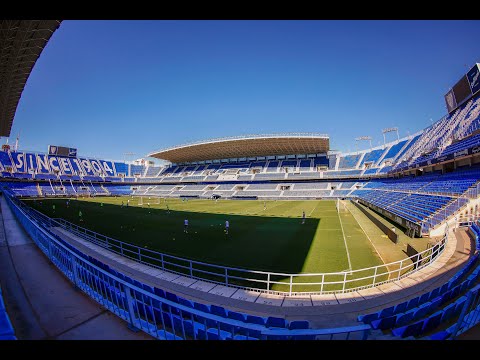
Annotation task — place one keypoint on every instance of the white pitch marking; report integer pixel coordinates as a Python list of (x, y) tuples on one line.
[(368, 237), (345, 241), (313, 210)]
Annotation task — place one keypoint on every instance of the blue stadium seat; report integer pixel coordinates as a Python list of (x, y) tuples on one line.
[(298, 324), (201, 307), (172, 309), (185, 302), (424, 298), (434, 293), (405, 318), (443, 289), (148, 288), (170, 296), (448, 312), (409, 330), (432, 321), (445, 297), (412, 303), (464, 286), (215, 334), (368, 318), (389, 311), (159, 292), (218, 310), (455, 291), (435, 303), (191, 328), (400, 308), (422, 310), (253, 319), (275, 322), (384, 323), (236, 316), (459, 303)]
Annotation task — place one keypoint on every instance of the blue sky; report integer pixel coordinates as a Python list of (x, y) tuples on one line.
[(111, 87)]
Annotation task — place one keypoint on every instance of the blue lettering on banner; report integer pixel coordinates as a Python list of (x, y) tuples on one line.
[(474, 78), (108, 167), (53, 161), (19, 161), (31, 162), (65, 165), (96, 167), (87, 167), (43, 166), (76, 167)]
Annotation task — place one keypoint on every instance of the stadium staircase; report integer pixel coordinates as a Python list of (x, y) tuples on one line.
[(337, 162), (53, 190), (404, 147), (380, 159), (73, 187)]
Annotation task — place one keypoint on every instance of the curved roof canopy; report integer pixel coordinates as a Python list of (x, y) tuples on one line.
[(21, 43), (246, 146)]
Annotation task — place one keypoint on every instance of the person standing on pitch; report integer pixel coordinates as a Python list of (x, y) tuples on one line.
[(53, 207), (303, 217), (185, 226), (80, 215), (264, 205), (227, 225)]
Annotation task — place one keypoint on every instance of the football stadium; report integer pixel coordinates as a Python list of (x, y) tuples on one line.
[(250, 237)]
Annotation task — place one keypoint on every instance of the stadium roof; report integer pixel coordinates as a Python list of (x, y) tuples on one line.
[(21, 43), (246, 146)]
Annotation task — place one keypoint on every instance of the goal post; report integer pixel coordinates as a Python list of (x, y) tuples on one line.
[(341, 207)]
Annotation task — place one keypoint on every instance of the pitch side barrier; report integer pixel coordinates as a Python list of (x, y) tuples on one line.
[(389, 232), (417, 228), (149, 309), (261, 281)]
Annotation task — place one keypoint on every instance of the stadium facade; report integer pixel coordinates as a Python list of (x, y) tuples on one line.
[(427, 183)]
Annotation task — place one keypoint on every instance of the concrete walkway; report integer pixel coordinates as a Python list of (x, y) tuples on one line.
[(40, 301)]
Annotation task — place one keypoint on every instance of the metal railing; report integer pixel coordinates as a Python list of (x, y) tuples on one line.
[(276, 283), (147, 308)]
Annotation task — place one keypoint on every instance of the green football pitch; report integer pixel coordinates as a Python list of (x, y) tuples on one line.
[(263, 235)]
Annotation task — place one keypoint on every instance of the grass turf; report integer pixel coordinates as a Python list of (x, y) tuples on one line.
[(273, 239)]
